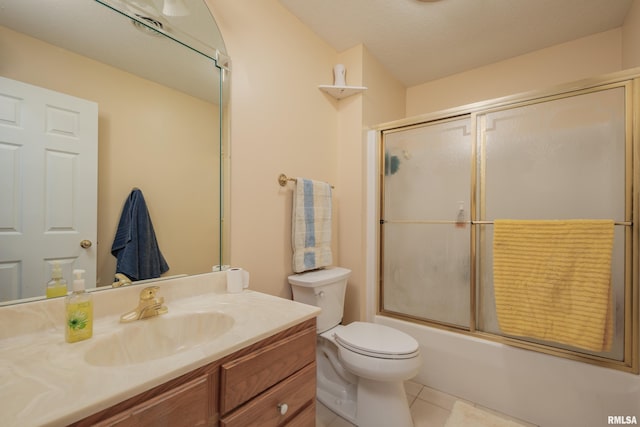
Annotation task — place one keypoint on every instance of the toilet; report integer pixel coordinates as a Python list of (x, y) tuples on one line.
[(361, 366)]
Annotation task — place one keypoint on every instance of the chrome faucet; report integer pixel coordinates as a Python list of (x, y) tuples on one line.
[(148, 306), (121, 280)]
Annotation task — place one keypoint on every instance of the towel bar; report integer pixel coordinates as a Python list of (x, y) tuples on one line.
[(474, 222), (282, 180), (627, 223)]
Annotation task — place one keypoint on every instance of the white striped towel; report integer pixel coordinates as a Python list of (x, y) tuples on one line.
[(311, 225)]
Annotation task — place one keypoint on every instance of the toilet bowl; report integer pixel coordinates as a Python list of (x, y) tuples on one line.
[(361, 366), (377, 352)]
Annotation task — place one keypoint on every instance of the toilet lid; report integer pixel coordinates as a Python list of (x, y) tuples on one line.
[(376, 340)]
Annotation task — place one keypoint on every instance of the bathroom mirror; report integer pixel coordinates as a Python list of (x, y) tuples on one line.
[(159, 74)]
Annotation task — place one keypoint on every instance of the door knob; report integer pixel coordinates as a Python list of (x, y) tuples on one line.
[(86, 244)]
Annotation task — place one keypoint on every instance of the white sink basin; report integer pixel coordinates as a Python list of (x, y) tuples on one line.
[(157, 337)]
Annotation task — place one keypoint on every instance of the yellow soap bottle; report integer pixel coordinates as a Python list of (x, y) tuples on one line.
[(57, 286), (79, 307)]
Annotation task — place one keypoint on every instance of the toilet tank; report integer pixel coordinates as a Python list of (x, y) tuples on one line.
[(325, 289)]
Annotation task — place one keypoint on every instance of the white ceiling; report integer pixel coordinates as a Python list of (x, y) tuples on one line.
[(419, 41)]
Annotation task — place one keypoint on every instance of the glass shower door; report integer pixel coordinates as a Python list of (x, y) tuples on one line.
[(451, 187), (425, 226), (556, 159)]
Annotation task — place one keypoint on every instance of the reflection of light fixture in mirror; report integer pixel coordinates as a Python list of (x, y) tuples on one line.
[(150, 22), (174, 8)]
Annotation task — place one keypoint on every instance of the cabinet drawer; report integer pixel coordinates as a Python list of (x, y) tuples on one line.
[(297, 392), (186, 405), (248, 376)]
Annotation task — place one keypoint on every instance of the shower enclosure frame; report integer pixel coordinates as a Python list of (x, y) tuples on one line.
[(630, 82)]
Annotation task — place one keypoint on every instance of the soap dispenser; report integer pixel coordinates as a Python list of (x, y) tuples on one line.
[(79, 308), (57, 286)]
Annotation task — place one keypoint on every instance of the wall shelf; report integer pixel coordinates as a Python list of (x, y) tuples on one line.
[(340, 92)]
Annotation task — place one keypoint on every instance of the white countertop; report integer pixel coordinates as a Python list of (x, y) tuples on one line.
[(45, 381)]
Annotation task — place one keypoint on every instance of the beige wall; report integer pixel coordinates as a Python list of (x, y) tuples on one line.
[(349, 182), (281, 123), (631, 37), (384, 101), (140, 144), (578, 59)]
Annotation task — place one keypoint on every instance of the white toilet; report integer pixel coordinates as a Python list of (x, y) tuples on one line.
[(361, 366)]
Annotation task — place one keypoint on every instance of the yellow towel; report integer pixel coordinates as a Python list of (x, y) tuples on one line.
[(552, 280)]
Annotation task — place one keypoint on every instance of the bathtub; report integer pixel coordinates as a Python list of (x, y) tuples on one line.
[(545, 390)]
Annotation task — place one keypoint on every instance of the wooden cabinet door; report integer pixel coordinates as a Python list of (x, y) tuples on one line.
[(186, 405)]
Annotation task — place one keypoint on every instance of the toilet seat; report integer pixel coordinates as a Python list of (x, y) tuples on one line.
[(378, 341)]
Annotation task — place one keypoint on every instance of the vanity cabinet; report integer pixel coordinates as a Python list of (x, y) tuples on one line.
[(269, 383)]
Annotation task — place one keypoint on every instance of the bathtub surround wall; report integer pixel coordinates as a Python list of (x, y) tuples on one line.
[(544, 390)]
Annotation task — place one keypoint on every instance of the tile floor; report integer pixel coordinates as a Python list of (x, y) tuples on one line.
[(429, 408)]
